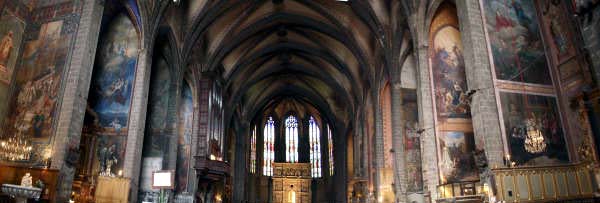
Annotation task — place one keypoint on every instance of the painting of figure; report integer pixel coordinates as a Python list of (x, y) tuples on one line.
[(448, 69), (533, 129), (557, 30), (11, 33), (156, 142), (515, 41), (37, 83), (110, 155), (456, 161), (184, 140), (412, 142), (113, 77)]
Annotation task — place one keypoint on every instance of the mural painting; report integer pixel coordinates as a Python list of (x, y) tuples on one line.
[(112, 82), (555, 24), (412, 142), (110, 153), (457, 163), (156, 140), (158, 106), (186, 114), (515, 41), (533, 129), (37, 83), (452, 105), (449, 74), (110, 92), (11, 34)]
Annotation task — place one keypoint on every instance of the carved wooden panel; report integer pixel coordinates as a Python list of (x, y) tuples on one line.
[(291, 182)]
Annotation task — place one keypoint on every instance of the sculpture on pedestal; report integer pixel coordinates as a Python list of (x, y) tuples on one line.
[(27, 180)]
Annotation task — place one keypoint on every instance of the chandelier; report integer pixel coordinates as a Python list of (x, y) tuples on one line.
[(15, 149), (534, 142)]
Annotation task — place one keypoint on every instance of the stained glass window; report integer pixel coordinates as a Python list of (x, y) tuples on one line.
[(269, 152), (330, 149), (291, 139), (315, 147), (253, 151)]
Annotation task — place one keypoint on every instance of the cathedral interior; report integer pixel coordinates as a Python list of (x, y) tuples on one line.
[(285, 101)]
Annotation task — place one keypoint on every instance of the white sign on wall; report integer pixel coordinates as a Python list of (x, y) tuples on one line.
[(163, 179)]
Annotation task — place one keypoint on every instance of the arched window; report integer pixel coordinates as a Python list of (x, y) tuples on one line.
[(269, 152), (253, 151), (315, 148), (330, 149), (291, 139)]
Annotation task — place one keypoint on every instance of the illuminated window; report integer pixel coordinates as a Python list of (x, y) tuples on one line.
[(269, 152), (253, 151), (330, 149), (291, 139), (315, 147)]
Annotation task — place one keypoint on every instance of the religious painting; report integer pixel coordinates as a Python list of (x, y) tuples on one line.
[(110, 155), (515, 41), (37, 83), (113, 78), (388, 158), (186, 115), (156, 142), (454, 127), (448, 68), (557, 30), (11, 34), (456, 162), (412, 141), (533, 128)]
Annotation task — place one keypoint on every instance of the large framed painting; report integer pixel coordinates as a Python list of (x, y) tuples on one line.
[(557, 30), (456, 161), (184, 147), (448, 69), (515, 41), (11, 34), (412, 141), (113, 77), (37, 82), (533, 129), (156, 139), (110, 93)]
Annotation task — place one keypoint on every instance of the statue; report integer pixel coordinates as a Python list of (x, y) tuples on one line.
[(107, 159), (292, 195), (27, 180)]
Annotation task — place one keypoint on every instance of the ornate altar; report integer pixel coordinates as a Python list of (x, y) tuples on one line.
[(291, 183)]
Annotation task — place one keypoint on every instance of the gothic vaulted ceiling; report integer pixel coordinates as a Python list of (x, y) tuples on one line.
[(323, 52)]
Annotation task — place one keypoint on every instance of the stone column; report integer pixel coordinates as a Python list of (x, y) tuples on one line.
[(340, 179), (137, 120), (426, 123), (378, 147), (400, 181), (241, 164), (484, 109), (74, 102)]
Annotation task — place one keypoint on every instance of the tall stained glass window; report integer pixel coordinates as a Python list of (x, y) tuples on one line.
[(330, 149), (253, 151), (291, 139), (269, 152), (315, 147)]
